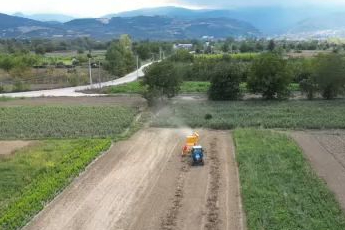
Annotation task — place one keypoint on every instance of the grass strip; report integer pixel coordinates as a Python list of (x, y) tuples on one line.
[(187, 87), (279, 188), (137, 88), (131, 88)]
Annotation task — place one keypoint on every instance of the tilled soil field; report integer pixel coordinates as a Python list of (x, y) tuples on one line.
[(326, 152), (143, 183), (9, 147)]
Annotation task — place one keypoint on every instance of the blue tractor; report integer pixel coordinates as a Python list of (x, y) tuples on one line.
[(197, 155)]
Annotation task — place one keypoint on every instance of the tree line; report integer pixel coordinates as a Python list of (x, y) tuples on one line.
[(268, 74), (265, 71), (231, 45)]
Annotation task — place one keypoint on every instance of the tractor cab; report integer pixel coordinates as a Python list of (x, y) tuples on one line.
[(197, 155)]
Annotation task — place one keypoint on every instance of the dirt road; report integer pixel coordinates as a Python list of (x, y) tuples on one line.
[(326, 152), (143, 183), (74, 91)]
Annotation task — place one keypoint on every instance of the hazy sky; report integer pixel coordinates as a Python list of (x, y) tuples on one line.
[(88, 8)]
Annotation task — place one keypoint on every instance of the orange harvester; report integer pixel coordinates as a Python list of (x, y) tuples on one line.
[(191, 141)]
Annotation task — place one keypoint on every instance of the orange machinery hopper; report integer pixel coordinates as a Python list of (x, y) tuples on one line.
[(191, 141)]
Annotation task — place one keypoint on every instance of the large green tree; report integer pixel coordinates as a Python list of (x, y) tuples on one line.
[(225, 82), (269, 76), (143, 50), (161, 80), (119, 56), (182, 56)]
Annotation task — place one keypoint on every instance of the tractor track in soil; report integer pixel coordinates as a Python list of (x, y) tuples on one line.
[(213, 194), (144, 184), (170, 220)]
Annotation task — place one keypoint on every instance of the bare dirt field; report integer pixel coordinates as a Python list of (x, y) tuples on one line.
[(143, 183), (88, 101), (326, 152), (306, 53), (9, 147)]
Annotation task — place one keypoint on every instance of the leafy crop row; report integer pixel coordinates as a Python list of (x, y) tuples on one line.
[(279, 189), (297, 114), (33, 177), (63, 121), (238, 56)]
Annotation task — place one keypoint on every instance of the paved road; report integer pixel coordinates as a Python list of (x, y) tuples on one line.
[(73, 91)]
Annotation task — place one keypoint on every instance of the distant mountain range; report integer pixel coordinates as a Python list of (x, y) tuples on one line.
[(139, 27), (332, 21), (14, 27), (181, 23), (326, 26), (269, 20)]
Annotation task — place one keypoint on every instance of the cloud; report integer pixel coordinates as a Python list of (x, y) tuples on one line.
[(244, 3), (87, 8), (79, 7)]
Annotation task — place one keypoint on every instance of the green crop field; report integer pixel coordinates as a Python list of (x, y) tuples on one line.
[(132, 87), (29, 122), (195, 87), (238, 56), (295, 114), (2, 98), (279, 189), (34, 175)]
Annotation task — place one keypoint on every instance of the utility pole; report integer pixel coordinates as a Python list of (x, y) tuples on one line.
[(160, 53), (90, 72), (137, 66), (99, 74)]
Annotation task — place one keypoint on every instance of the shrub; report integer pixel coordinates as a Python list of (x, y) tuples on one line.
[(301, 69), (73, 80), (208, 116), (182, 56), (308, 87), (80, 51), (183, 70), (40, 49), (201, 69), (225, 83), (269, 76), (6, 63), (330, 75), (19, 86)]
